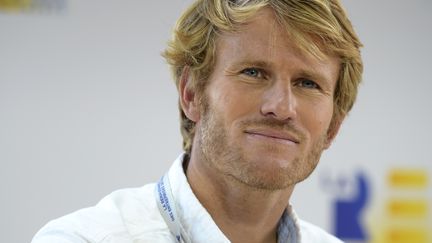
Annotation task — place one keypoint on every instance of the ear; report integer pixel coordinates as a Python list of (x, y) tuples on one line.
[(333, 130), (188, 98)]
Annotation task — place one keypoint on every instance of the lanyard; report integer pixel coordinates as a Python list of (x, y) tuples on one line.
[(288, 231), (167, 209)]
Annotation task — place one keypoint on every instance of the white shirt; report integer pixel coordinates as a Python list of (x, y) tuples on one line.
[(133, 216)]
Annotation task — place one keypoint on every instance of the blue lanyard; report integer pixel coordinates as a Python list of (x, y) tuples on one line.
[(167, 209)]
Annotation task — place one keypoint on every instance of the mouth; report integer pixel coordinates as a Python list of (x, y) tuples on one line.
[(278, 136)]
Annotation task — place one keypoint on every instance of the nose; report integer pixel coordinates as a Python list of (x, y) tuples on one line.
[(280, 103)]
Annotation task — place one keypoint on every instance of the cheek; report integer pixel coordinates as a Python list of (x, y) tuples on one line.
[(317, 117), (234, 102)]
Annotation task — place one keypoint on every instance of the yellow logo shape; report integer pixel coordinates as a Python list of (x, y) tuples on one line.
[(15, 5), (406, 217)]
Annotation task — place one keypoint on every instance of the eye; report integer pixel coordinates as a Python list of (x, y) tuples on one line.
[(252, 72), (309, 84)]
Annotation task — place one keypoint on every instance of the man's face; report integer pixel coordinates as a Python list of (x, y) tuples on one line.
[(267, 107)]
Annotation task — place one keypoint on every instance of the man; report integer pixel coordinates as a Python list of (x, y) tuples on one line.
[(263, 89)]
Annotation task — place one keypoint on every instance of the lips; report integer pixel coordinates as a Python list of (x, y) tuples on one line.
[(274, 134)]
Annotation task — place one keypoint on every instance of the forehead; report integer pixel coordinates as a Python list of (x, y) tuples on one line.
[(263, 39)]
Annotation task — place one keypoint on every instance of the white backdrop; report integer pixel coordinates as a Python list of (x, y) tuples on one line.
[(87, 106)]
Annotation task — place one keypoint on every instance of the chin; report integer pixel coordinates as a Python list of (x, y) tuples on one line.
[(266, 181), (272, 160), (270, 173)]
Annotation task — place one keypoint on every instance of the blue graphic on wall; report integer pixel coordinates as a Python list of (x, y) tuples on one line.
[(351, 196)]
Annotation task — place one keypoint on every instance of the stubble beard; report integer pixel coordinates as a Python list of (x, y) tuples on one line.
[(228, 158)]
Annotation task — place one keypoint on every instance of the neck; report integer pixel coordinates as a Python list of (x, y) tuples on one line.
[(242, 213)]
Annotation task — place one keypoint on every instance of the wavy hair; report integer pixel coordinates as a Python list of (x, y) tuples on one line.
[(317, 27)]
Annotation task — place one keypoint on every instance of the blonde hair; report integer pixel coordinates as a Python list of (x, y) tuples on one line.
[(318, 27)]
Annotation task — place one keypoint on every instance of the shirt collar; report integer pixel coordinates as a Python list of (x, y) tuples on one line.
[(197, 222), (288, 230)]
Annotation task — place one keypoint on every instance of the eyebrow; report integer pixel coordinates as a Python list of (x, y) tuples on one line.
[(314, 76), (257, 63)]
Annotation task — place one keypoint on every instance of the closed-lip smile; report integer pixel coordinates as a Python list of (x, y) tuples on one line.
[(274, 134)]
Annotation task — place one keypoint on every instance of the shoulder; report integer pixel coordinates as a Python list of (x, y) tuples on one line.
[(312, 233), (127, 215)]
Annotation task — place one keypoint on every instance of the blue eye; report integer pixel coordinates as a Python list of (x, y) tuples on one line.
[(306, 83), (252, 72)]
